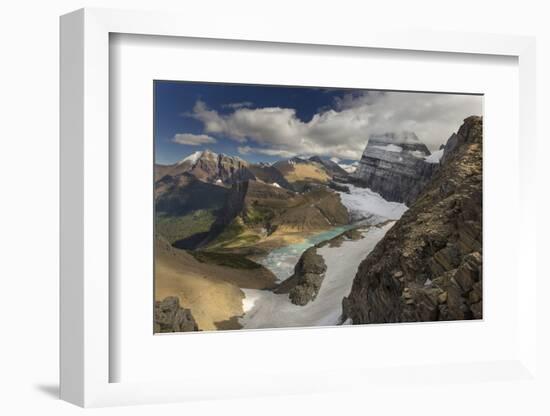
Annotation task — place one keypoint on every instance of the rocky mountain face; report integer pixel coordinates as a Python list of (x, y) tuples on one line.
[(223, 170), (171, 317), (186, 207), (208, 196), (254, 210), (180, 194), (332, 167), (269, 174), (429, 265), (209, 167), (302, 174), (212, 167), (303, 286), (394, 166), (252, 203)]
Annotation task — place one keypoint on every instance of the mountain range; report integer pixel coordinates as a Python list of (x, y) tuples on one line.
[(209, 199), (214, 200), (219, 217)]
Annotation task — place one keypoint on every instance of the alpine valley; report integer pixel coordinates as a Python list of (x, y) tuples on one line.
[(395, 236)]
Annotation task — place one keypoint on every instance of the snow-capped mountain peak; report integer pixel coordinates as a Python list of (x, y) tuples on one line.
[(193, 157)]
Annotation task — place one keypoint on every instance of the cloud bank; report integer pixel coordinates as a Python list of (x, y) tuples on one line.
[(193, 139), (343, 130), (246, 150)]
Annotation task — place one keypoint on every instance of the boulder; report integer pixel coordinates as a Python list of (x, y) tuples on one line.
[(304, 285), (171, 317)]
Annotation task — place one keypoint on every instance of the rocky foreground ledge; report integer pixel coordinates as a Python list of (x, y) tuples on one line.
[(429, 265), (171, 317)]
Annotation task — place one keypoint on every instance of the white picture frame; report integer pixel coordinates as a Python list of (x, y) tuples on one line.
[(86, 356)]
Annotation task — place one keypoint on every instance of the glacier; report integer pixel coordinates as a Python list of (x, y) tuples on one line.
[(265, 309)]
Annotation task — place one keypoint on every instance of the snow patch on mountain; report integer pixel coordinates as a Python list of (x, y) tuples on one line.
[(349, 168), (364, 203), (435, 157), (418, 154), (390, 148), (193, 157)]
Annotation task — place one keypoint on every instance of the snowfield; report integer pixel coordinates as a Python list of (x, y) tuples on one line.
[(435, 157), (193, 157), (265, 309), (349, 168), (363, 203), (390, 148), (418, 154)]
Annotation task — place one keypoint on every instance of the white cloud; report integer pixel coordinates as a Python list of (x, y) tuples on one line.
[(433, 117), (343, 131), (245, 150), (193, 139)]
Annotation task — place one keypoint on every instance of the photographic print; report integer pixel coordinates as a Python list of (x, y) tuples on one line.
[(294, 206)]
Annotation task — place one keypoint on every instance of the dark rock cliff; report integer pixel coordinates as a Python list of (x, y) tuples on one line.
[(303, 286), (184, 193), (268, 174), (429, 265), (257, 206)]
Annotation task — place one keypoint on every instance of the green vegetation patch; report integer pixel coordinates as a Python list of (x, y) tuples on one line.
[(236, 261), (234, 235), (259, 215), (230, 232), (177, 228)]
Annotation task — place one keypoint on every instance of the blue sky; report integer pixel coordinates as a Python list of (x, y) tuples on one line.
[(174, 100), (267, 123)]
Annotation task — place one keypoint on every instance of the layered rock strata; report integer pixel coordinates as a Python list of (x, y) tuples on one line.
[(429, 265), (394, 165)]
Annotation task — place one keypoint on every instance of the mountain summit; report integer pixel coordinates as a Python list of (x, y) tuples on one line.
[(208, 166), (394, 165)]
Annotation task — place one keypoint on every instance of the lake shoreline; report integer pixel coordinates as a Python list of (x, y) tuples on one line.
[(265, 309)]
